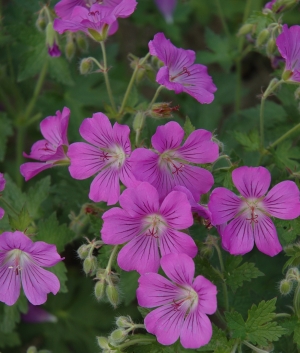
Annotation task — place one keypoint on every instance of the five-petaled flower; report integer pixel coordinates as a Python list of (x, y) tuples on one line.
[(149, 227), (52, 150), (183, 303), (108, 157), (180, 74), (166, 7), (20, 262), (169, 164), (2, 186), (250, 214)]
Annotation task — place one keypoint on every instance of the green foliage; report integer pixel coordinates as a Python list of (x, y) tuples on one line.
[(36, 195), (219, 342), (21, 222), (249, 141), (5, 132), (188, 127), (286, 156), (287, 230), (128, 286), (60, 271), (260, 20), (293, 251)]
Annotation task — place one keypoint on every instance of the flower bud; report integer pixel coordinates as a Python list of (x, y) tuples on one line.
[(156, 62), (99, 289), (31, 349), (51, 41), (138, 121), (81, 42), (262, 37), (102, 342), (70, 49), (283, 5), (286, 75), (285, 287), (292, 274), (90, 264), (112, 295), (271, 47), (41, 23), (117, 336), (85, 66), (245, 29), (124, 322), (83, 251), (162, 110)]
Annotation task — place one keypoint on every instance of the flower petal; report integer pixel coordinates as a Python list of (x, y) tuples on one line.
[(44, 254), (64, 8), (167, 137), (265, 236), (173, 241), (155, 290), (282, 201), (207, 292), (121, 137), (165, 323), (2, 212), (14, 240), (196, 330), (252, 181), (10, 284), (2, 182), (140, 254), (31, 169), (180, 268), (223, 205)]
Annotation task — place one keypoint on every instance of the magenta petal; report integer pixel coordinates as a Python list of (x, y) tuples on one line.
[(207, 295), (165, 323), (252, 181), (141, 200), (180, 268), (2, 212), (121, 137), (125, 8), (44, 254), (282, 201), (223, 205), (2, 182), (14, 240), (31, 169), (265, 236), (176, 209), (61, 26), (155, 290), (10, 284), (119, 227), (199, 148), (64, 8), (126, 175), (174, 242), (238, 236), (41, 150), (196, 330), (106, 186), (85, 161), (37, 282), (167, 137), (140, 254)]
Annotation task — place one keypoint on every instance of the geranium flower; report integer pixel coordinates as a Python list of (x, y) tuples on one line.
[(289, 47), (97, 21), (107, 156), (20, 262), (52, 150), (166, 7), (183, 303), (180, 74), (148, 227), (2, 186), (270, 4), (249, 215), (169, 164), (37, 314)]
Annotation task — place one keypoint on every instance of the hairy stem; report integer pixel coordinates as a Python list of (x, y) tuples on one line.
[(284, 136), (258, 350), (112, 258), (222, 17), (155, 96), (138, 340)]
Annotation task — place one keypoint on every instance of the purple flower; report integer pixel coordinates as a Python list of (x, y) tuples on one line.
[(54, 50), (180, 74), (20, 261), (166, 7), (37, 314), (289, 47), (148, 226), (250, 214), (108, 157), (2, 186), (183, 303), (169, 164), (270, 4), (97, 20), (51, 150)]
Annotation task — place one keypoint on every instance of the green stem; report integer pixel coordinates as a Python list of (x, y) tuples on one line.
[(234, 348), (112, 258), (155, 96), (105, 73), (221, 318), (131, 82), (138, 340), (19, 150), (139, 326), (222, 17), (96, 62), (8, 106), (284, 136), (226, 300), (258, 350), (282, 315)]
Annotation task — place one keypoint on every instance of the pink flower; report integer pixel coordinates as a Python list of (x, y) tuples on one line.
[(250, 214), (148, 227), (52, 150), (180, 74), (270, 4), (37, 314), (97, 20), (54, 50), (108, 157), (2, 186), (166, 7), (169, 164), (21, 261), (183, 303), (289, 47)]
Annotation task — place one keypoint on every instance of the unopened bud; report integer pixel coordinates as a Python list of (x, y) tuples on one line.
[(90, 264), (283, 5), (41, 23), (31, 349), (156, 62), (285, 287), (102, 342), (271, 47), (245, 29), (99, 289), (85, 66), (99, 36), (112, 295), (140, 75), (162, 110), (83, 251), (70, 49), (287, 75), (81, 42), (262, 37), (207, 251), (138, 121), (118, 335), (124, 322), (292, 274)]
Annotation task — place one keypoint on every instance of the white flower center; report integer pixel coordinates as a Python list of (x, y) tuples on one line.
[(188, 301), (252, 208), (16, 258), (169, 161), (154, 225), (115, 156)]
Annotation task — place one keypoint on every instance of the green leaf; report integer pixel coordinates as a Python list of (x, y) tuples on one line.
[(287, 230), (13, 195), (143, 311), (293, 251), (296, 336), (286, 155), (218, 343), (236, 324), (20, 222), (188, 127), (249, 141), (260, 19), (59, 71), (10, 315), (50, 231), (36, 195), (9, 339), (129, 285), (60, 271), (5, 132)]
